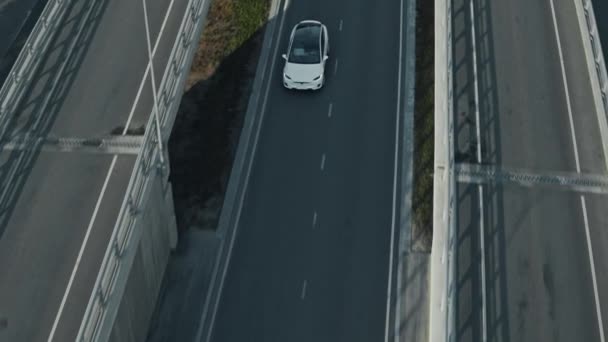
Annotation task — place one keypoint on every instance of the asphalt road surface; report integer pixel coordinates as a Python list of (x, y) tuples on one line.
[(536, 113), (58, 209), (311, 258)]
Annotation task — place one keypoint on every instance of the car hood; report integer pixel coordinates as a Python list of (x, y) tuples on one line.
[(303, 72)]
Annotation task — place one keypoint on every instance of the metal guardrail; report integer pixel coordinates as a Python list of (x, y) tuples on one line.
[(147, 161), (450, 245), (36, 45), (596, 46)]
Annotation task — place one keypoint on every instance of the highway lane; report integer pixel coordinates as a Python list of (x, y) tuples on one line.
[(311, 258), (58, 208), (535, 113)]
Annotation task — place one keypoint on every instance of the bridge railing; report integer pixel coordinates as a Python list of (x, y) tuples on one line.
[(20, 76), (106, 290), (596, 47), (443, 280), (451, 210)]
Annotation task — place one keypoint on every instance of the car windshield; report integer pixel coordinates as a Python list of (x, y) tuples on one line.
[(305, 46)]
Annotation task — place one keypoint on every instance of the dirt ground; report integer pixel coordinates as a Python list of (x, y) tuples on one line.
[(208, 124)]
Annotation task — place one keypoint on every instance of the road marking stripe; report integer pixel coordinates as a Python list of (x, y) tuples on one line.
[(82, 247), (578, 169), (241, 199), (303, 294), (102, 193), (323, 161), (482, 240), (331, 106), (148, 67), (395, 172), (336, 67), (314, 219), (341, 21)]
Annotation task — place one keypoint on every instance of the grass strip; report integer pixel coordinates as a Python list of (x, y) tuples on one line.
[(424, 127)]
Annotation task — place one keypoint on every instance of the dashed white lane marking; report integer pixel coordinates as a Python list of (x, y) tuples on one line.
[(336, 67), (303, 294), (323, 162), (598, 308), (331, 106), (314, 220), (341, 22)]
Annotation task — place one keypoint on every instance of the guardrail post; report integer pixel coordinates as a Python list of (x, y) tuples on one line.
[(102, 297)]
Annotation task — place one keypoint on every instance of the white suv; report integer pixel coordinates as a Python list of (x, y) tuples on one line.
[(306, 56)]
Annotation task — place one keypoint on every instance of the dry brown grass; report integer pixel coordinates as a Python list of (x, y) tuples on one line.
[(230, 24)]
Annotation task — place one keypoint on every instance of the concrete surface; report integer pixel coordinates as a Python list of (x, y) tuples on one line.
[(185, 285), (146, 261), (538, 272), (82, 90)]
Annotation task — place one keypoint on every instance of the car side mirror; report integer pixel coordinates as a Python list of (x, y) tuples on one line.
[(325, 58), (284, 56)]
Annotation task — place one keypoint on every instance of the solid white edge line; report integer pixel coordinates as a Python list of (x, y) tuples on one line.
[(105, 184), (395, 174), (578, 170), (591, 261), (566, 90), (482, 242), (82, 248), (148, 67), (255, 143)]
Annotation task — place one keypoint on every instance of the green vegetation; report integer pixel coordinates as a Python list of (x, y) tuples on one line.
[(424, 127)]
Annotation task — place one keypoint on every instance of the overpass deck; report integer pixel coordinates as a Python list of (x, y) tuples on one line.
[(58, 207)]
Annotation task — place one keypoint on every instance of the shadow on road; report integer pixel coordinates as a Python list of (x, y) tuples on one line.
[(202, 148), (43, 101), (469, 315), (495, 244), (206, 133)]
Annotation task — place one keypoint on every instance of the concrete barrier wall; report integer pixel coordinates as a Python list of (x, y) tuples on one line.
[(149, 263), (442, 287)]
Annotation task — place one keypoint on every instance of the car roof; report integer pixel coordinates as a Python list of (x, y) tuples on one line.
[(308, 32)]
